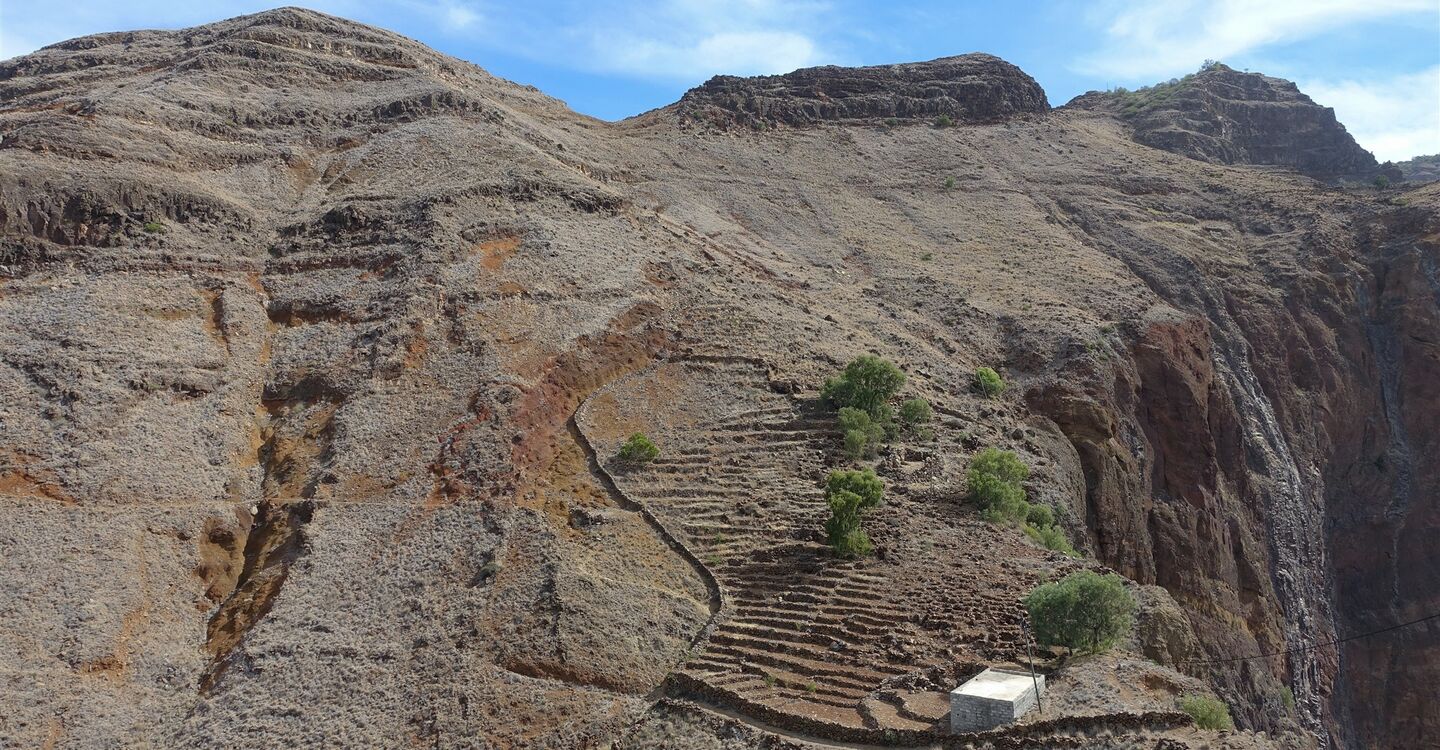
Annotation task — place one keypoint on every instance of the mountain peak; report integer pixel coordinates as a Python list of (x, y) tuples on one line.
[(1226, 116), (965, 88)]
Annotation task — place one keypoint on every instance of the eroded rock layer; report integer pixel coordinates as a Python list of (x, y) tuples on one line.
[(965, 88)]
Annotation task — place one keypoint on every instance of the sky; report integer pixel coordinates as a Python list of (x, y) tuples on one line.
[(1377, 62)]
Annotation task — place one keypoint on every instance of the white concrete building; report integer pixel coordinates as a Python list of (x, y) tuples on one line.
[(992, 698)]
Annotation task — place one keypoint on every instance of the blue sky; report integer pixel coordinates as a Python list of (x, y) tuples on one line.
[(1377, 62)]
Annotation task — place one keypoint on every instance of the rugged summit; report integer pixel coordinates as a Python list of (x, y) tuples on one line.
[(318, 346), (1225, 116), (966, 88)]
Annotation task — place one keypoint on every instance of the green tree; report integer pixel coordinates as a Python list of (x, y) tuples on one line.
[(862, 482), (638, 450), (867, 383), (1208, 713), (850, 493), (988, 382), (1084, 611), (843, 529)]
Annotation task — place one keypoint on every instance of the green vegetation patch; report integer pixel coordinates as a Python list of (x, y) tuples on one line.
[(638, 451), (1208, 713), (988, 382)]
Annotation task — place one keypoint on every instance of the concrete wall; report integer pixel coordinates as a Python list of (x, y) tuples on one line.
[(972, 713)]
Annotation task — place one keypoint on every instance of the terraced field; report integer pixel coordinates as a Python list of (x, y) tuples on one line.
[(846, 643)]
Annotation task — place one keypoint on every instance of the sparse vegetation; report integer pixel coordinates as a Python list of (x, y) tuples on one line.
[(927, 256), (944, 121), (866, 386), (850, 493), (1138, 101), (1084, 611), (1287, 696), (638, 451), (1381, 182), (996, 480), (988, 382), (154, 227), (891, 122), (1208, 713), (949, 183)]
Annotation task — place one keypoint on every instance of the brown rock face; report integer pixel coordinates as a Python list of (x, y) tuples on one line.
[(965, 88), (316, 347), (1224, 116)]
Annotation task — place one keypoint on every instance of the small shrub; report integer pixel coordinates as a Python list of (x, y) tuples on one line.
[(638, 450), (1040, 516), (770, 680), (1084, 611), (944, 121), (1287, 696), (862, 434), (1381, 182), (1208, 713), (891, 122), (949, 183), (988, 382), (927, 256), (1051, 537), (867, 383), (914, 413), (154, 227)]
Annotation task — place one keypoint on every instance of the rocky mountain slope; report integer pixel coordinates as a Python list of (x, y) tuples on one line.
[(317, 346)]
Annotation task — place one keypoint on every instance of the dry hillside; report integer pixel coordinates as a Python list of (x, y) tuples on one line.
[(318, 345)]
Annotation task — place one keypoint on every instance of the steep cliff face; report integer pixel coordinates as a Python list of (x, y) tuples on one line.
[(965, 88), (1270, 438), (1224, 116), (318, 346)]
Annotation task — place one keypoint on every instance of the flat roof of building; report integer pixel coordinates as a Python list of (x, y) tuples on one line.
[(996, 684)]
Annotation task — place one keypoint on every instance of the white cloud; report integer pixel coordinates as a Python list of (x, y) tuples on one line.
[(1395, 118), (1149, 39), (461, 16), (688, 39), (739, 53)]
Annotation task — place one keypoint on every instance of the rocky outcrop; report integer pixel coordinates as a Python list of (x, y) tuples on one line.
[(1420, 168), (1224, 116), (966, 88)]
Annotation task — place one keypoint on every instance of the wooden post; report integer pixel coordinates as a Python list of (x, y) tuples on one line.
[(1039, 703)]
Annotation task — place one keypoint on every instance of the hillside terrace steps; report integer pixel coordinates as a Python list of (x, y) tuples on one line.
[(740, 483)]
